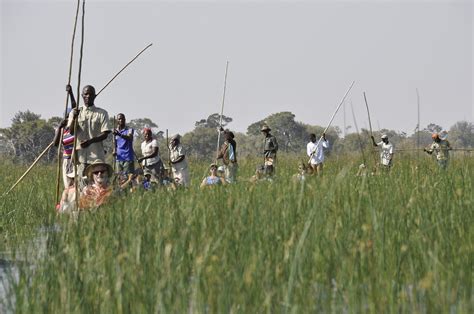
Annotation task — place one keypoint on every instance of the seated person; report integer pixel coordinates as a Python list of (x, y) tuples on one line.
[(167, 180), (68, 198), (149, 181), (126, 182), (302, 172), (213, 178), (98, 190), (261, 174)]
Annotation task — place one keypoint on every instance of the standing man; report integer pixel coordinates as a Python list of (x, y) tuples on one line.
[(386, 155), (441, 149), (179, 164), (123, 149), (93, 128), (270, 149), (315, 152), (151, 159), (228, 154)]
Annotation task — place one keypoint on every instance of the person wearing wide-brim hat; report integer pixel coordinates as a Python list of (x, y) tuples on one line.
[(270, 148), (386, 154), (179, 164), (98, 190), (97, 166)]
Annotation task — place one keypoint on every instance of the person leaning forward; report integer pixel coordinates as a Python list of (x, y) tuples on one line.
[(93, 127), (228, 154), (270, 149)]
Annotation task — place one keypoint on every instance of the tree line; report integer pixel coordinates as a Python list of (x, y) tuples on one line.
[(29, 134)]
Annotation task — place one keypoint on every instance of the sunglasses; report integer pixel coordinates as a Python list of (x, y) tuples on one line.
[(99, 171)]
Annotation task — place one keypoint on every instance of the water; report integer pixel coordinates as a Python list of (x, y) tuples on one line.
[(23, 256)]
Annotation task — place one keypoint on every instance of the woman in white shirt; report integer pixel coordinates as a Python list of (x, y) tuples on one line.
[(151, 160)]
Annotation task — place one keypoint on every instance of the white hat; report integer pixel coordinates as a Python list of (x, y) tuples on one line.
[(384, 136)]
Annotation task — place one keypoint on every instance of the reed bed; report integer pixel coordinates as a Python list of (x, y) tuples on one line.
[(398, 242)]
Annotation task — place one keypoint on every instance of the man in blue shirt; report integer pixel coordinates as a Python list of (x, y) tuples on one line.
[(123, 150)]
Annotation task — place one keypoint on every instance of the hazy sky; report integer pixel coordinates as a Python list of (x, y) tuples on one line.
[(284, 56)]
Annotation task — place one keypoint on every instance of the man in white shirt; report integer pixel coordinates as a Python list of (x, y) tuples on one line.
[(315, 152), (386, 155)]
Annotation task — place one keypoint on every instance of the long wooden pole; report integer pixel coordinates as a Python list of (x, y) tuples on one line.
[(31, 167), (74, 153), (113, 78), (332, 118), (222, 110), (59, 159), (418, 124), (169, 151), (368, 114), (115, 146), (358, 135), (373, 153)]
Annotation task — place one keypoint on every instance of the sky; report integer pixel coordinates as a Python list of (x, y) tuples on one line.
[(298, 56)]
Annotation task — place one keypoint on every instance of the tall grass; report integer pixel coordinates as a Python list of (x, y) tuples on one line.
[(401, 242)]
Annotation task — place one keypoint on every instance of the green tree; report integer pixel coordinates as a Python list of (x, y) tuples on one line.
[(461, 134), (290, 134), (213, 121), (201, 143), (28, 136), (434, 128)]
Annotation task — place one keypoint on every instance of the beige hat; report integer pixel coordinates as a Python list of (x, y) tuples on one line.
[(90, 168), (265, 128), (175, 137)]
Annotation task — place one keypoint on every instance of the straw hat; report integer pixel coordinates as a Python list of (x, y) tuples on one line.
[(265, 128), (90, 168)]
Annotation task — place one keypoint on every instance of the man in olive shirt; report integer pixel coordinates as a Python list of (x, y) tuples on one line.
[(269, 150), (92, 129)]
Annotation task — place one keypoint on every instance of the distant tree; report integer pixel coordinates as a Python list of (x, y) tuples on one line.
[(201, 143), (28, 136), (140, 124), (461, 134), (24, 117), (290, 134), (54, 121), (213, 121), (434, 128)]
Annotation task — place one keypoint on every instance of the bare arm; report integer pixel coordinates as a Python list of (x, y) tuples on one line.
[(154, 154)]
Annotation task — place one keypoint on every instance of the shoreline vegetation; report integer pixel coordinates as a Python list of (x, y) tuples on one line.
[(397, 242)]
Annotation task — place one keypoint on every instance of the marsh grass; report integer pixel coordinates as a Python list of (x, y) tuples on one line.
[(385, 243)]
